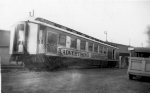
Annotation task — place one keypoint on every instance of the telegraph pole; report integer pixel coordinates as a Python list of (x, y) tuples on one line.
[(31, 14), (129, 42)]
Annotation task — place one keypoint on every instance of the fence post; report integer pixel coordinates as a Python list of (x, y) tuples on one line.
[(120, 62), (0, 60)]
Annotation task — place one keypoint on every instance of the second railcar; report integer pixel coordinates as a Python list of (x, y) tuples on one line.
[(40, 43)]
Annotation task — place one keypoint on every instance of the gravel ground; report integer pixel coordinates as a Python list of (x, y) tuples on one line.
[(72, 81)]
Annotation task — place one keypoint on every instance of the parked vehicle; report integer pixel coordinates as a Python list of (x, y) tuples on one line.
[(139, 62), (42, 43)]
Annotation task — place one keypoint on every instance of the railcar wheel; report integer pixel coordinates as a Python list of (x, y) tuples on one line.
[(131, 76)]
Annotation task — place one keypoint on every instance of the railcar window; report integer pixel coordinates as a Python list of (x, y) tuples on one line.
[(52, 38), (95, 47), (62, 39), (20, 27), (100, 49), (105, 50), (19, 37), (73, 43), (82, 44), (90, 47), (41, 39), (41, 34)]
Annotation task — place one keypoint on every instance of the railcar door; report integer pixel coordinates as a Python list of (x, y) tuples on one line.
[(52, 39), (19, 38)]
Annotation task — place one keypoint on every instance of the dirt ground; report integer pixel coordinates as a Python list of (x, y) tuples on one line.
[(72, 81)]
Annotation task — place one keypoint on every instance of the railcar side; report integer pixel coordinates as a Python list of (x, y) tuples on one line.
[(45, 45)]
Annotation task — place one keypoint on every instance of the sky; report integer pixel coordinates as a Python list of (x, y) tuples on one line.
[(125, 21)]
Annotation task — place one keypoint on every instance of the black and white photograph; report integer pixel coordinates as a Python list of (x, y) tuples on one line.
[(75, 46)]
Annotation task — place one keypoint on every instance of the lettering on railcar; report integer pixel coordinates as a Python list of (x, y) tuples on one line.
[(74, 53)]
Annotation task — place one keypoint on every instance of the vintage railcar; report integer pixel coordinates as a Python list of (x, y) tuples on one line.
[(40, 43)]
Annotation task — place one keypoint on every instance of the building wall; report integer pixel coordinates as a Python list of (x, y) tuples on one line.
[(4, 55), (4, 47), (4, 38), (122, 48)]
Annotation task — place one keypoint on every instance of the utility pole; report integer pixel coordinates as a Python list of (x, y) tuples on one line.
[(105, 32), (31, 14)]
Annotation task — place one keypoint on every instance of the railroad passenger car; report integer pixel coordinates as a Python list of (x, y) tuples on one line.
[(40, 43)]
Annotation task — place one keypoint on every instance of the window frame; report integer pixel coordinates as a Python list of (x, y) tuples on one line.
[(100, 49), (105, 50), (95, 47), (90, 43), (82, 42), (75, 44), (41, 36)]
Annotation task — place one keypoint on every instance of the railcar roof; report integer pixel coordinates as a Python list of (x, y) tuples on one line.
[(70, 30)]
